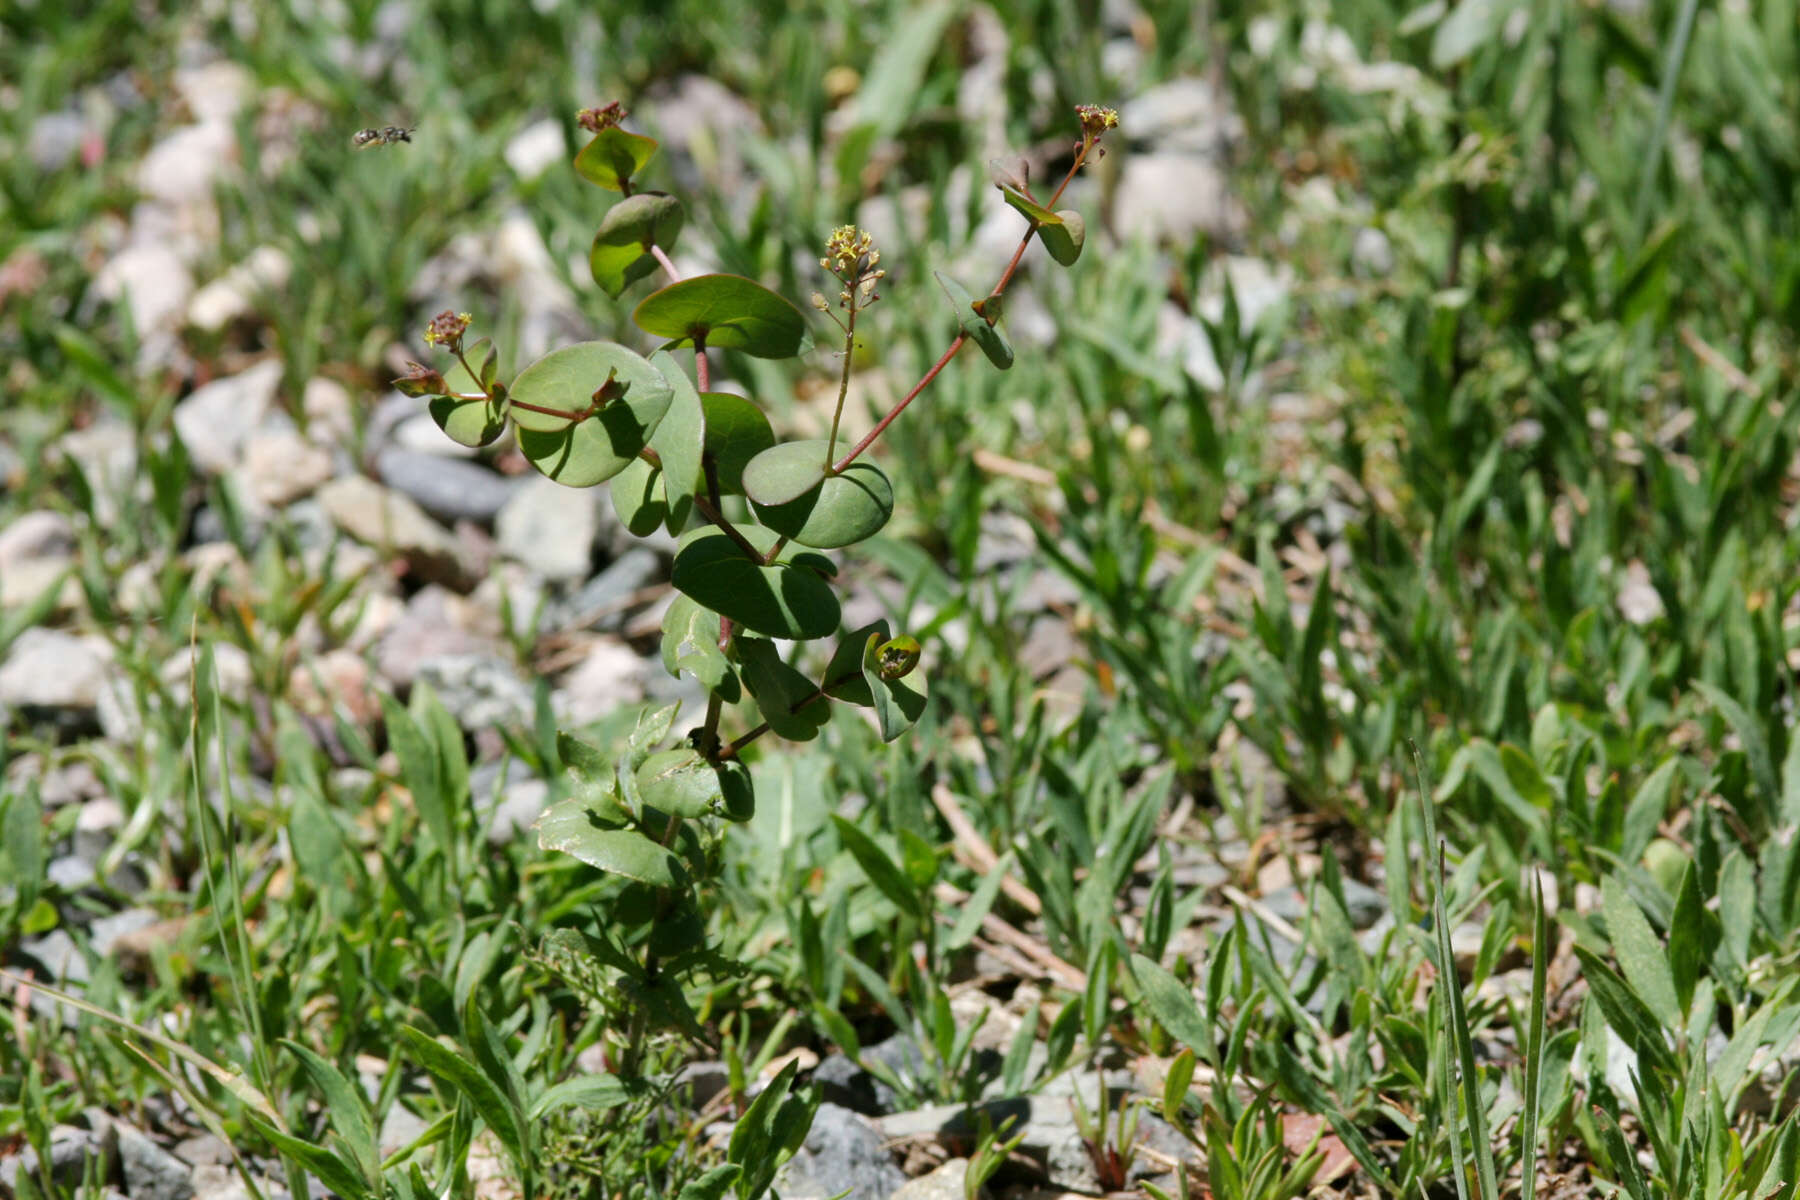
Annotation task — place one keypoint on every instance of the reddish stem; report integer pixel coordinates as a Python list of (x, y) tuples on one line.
[(998, 288)]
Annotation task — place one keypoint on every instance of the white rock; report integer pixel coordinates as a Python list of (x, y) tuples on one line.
[(235, 293), (329, 417), (47, 668), (215, 420), (152, 280), (534, 148), (282, 467), (1182, 114), (550, 529), (216, 91), (181, 169), (1639, 601), (1175, 197), (611, 675), (383, 518)]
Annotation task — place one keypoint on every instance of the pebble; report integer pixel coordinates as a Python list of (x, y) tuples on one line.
[(216, 420), (235, 294), (330, 416), (535, 148), (54, 673), (283, 467), (389, 521), (450, 489), (482, 691), (151, 1173), (152, 280), (600, 604), (181, 169), (612, 675), (551, 528), (945, 1183), (843, 1156), (519, 806), (55, 140), (435, 622), (1176, 197)]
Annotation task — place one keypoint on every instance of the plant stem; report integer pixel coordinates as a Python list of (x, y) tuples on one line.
[(843, 380), (668, 264), (956, 344)]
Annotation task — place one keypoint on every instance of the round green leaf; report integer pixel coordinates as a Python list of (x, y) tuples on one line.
[(738, 789), (792, 495), (467, 422), (681, 783), (567, 380), (787, 599), (784, 473), (569, 827), (637, 497), (781, 693), (621, 253), (727, 312), (736, 432), (680, 441), (992, 342), (613, 157), (1064, 236), (593, 450)]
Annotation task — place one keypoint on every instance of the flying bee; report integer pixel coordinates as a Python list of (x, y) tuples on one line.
[(389, 135)]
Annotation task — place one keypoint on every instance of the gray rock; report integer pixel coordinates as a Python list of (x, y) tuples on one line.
[(216, 420), (600, 604), (1364, 904), (945, 1183), (71, 873), (55, 140), (843, 1154), (152, 1173), (203, 1150), (400, 1128), (104, 934), (386, 520), (550, 528), (480, 690), (519, 806), (450, 489), (71, 1150), (217, 1181), (57, 955)]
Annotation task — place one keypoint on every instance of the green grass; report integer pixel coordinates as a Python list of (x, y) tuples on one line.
[(1407, 517)]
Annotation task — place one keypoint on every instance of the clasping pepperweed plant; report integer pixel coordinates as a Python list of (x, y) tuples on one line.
[(753, 518)]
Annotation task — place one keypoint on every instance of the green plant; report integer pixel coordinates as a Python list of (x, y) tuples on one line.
[(752, 516)]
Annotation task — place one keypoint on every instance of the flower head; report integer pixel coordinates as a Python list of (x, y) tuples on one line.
[(596, 120), (851, 255), (1096, 120), (447, 329)]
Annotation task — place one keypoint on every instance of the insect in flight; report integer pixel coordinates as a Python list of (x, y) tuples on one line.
[(389, 135)]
